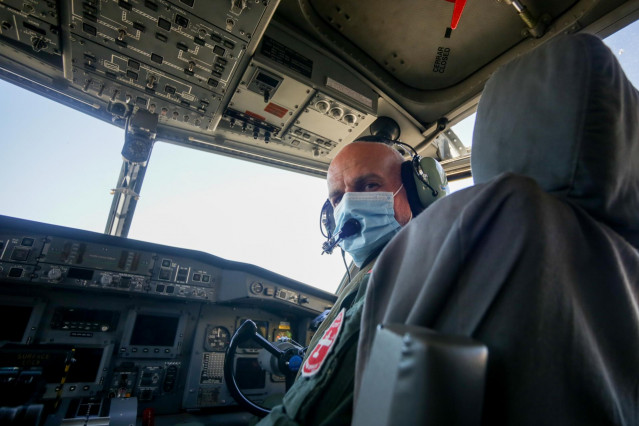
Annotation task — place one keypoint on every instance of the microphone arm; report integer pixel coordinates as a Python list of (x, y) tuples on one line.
[(351, 227)]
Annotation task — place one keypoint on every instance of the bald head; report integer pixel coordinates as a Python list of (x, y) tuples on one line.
[(368, 167)]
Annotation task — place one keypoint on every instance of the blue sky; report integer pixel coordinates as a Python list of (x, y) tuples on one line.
[(58, 166)]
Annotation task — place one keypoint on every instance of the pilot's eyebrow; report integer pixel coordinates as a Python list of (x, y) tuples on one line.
[(361, 181)]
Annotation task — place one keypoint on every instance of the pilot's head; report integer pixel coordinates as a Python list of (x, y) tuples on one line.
[(365, 183)]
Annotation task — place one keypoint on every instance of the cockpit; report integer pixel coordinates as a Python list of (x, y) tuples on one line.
[(203, 125)]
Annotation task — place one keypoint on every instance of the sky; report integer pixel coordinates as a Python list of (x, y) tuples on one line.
[(58, 166)]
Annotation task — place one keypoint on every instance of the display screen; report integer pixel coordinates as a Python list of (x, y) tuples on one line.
[(84, 319), (154, 330), (86, 366), (15, 320), (270, 81), (249, 374), (81, 274)]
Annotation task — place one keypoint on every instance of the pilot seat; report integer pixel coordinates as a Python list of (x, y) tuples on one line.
[(538, 260)]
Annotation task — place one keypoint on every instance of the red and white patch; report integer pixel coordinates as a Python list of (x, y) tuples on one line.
[(316, 359)]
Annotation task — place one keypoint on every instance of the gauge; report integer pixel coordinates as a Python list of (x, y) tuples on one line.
[(217, 339), (256, 287), (278, 334)]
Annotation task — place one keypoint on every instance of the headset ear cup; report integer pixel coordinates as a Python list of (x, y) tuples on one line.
[(408, 179), (430, 180)]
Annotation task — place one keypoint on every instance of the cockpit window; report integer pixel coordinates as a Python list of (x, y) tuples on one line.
[(236, 210), (464, 130), (58, 165), (624, 44)]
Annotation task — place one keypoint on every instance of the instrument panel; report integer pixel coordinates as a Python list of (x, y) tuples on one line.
[(140, 320)]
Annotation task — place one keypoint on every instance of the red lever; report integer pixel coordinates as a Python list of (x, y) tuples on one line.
[(457, 12)]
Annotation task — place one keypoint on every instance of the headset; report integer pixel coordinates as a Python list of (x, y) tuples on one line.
[(423, 177)]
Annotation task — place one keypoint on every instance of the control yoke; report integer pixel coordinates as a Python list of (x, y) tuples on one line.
[(286, 359)]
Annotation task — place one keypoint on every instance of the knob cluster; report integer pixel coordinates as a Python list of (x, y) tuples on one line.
[(336, 112)]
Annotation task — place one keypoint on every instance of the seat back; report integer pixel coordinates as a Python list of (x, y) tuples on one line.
[(566, 116), (538, 260)]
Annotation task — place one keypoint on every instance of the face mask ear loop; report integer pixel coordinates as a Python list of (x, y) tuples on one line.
[(397, 192), (398, 189)]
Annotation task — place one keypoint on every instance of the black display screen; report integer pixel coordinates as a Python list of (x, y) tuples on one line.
[(15, 320), (249, 374), (266, 79), (81, 274), (86, 366), (154, 330)]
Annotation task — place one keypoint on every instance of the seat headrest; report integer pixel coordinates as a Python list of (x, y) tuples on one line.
[(567, 116)]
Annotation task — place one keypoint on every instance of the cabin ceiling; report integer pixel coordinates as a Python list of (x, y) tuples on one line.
[(399, 45)]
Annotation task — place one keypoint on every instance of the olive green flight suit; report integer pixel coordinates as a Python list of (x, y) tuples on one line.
[(326, 398)]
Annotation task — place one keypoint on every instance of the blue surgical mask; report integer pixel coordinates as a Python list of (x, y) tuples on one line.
[(375, 213)]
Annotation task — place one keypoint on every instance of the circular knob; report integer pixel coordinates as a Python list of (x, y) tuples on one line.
[(322, 106), (106, 279), (350, 119), (337, 113), (256, 287), (54, 274)]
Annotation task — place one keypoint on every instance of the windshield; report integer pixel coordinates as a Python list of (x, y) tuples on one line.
[(236, 210), (60, 165)]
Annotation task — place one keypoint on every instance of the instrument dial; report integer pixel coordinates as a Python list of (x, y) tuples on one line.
[(256, 287), (217, 339)]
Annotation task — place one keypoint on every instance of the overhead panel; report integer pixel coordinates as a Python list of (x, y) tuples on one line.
[(122, 81), (325, 123), (239, 18), (23, 29), (298, 100), (171, 61), (45, 11), (174, 58), (269, 95)]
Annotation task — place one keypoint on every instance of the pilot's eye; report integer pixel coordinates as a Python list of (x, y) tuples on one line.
[(371, 187)]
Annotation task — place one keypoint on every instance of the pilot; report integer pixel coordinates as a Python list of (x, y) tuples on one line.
[(364, 183)]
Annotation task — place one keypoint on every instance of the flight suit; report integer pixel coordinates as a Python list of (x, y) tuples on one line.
[(326, 397)]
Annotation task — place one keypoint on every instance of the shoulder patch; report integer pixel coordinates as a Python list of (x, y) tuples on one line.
[(315, 360)]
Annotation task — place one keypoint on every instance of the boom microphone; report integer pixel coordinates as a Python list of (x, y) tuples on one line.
[(351, 227)]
